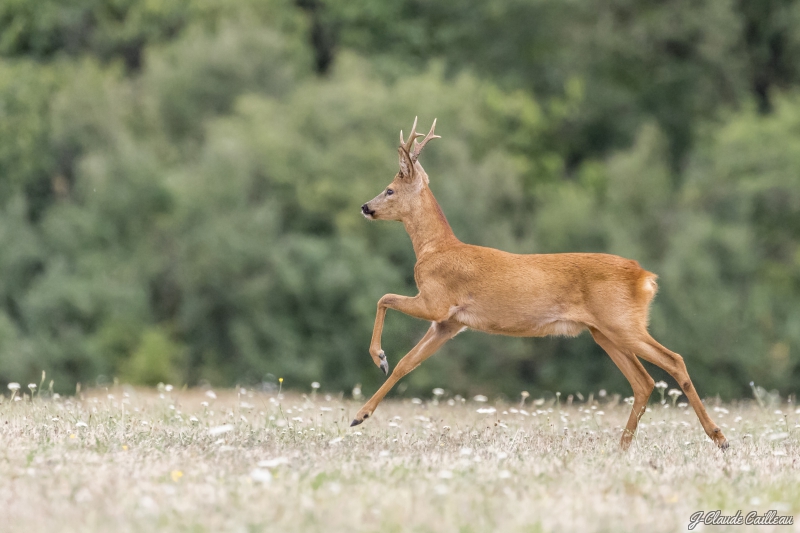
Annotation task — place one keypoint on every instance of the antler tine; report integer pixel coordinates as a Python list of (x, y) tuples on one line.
[(411, 137), (419, 146)]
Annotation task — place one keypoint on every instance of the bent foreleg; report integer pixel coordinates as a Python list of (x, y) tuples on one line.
[(437, 335), (413, 306)]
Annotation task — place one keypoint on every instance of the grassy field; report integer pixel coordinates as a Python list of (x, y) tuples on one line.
[(127, 459)]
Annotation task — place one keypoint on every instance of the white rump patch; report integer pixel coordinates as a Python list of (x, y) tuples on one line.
[(649, 285)]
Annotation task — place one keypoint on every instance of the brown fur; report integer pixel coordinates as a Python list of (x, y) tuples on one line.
[(466, 286)]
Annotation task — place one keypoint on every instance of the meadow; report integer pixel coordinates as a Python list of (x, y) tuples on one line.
[(129, 459)]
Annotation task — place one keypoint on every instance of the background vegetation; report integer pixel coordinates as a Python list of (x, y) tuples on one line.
[(180, 182)]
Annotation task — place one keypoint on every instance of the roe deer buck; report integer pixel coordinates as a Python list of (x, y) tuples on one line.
[(465, 286)]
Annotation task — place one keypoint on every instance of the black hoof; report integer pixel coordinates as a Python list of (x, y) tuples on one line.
[(724, 446), (384, 363), (355, 422)]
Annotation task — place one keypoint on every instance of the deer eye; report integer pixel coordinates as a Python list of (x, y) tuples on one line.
[(389, 192)]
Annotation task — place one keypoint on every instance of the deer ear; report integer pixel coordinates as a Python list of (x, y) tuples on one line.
[(406, 165)]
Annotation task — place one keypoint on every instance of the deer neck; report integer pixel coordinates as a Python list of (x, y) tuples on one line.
[(427, 226)]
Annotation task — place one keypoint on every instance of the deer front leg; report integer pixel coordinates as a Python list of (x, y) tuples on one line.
[(437, 335), (415, 307)]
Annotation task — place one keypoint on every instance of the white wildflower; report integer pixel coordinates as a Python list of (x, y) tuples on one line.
[(273, 463), (259, 475), (219, 430)]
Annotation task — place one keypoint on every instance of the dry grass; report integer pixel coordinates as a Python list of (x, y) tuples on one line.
[(134, 460)]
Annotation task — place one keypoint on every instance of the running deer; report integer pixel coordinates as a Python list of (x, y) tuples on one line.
[(466, 286)]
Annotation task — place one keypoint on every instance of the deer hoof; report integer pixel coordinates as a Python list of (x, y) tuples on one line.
[(720, 439), (359, 419), (384, 364)]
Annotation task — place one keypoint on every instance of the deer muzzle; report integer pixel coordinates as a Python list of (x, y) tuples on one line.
[(369, 213)]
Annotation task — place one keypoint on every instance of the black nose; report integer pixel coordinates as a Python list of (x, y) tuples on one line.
[(366, 210)]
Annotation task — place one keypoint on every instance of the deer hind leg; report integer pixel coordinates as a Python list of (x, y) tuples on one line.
[(650, 350), (640, 381), (437, 335)]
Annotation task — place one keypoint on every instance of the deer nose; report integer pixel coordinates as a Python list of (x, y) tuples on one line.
[(366, 210)]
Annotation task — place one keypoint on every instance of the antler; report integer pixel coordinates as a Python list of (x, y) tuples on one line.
[(411, 137), (419, 146), (411, 145)]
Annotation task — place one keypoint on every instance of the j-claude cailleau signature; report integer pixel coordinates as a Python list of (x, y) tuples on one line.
[(752, 518)]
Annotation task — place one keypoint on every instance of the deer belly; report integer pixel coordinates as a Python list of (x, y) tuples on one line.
[(517, 325), (561, 328)]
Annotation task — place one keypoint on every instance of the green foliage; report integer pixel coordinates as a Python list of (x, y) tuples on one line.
[(634, 61), (116, 28), (157, 359), (180, 186), (26, 162), (122, 29)]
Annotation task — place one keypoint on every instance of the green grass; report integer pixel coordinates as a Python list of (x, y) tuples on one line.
[(138, 460)]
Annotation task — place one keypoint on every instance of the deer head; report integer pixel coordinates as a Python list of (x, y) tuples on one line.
[(400, 197)]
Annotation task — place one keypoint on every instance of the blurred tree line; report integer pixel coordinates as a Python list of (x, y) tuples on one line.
[(180, 182)]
